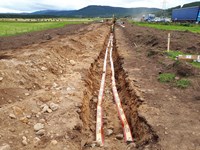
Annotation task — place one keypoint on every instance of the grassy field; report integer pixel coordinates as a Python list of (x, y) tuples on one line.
[(14, 27), (170, 26)]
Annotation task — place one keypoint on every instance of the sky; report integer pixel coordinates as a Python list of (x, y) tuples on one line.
[(18, 6)]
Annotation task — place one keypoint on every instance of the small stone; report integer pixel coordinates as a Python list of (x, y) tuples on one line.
[(12, 116), (24, 120), (166, 133), (53, 106), (42, 121), (54, 142), (78, 105), (24, 141), (40, 132), (17, 72), (177, 78), (119, 136), (43, 68), (131, 146), (9, 101), (28, 116), (26, 94), (78, 110), (17, 110), (93, 145), (1, 78), (38, 126), (45, 108), (95, 100), (36, 141), (72, 62), (109, 132), (5, 147)]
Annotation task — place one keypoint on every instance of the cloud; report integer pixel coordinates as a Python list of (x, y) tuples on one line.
[(34, 5)]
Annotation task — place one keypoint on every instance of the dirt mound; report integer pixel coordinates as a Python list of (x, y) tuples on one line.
[(41, 89), (184, 69)]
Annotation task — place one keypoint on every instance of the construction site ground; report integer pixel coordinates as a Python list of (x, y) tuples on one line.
[(49, 84)]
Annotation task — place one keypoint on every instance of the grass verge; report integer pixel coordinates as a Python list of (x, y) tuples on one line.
[(171, 26)]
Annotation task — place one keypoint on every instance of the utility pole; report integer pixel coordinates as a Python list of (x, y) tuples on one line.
[(164, 7)]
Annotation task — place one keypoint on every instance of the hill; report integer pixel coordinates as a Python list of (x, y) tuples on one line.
[(99, 11), (191, 4)]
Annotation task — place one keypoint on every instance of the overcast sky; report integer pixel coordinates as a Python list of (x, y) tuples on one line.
[(35, 5)]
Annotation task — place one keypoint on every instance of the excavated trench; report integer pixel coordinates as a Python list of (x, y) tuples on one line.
[(142, 132)]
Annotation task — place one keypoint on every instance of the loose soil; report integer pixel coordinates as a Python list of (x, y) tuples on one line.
[(64, 66)]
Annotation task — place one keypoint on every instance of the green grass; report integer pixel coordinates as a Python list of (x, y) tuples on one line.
[(170, 78), (166, 77), (174, 54), (8, 28), (196, 64), (183, 83), (170, 26)]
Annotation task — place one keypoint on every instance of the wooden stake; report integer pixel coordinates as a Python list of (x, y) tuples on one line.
[(168, 44)]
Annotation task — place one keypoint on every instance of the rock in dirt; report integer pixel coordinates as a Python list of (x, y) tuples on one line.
[(119, 136), (53, 106), (24, 141), (95, 99), (17, 110), (40, 132), (36, 141), (109, 132), (24, 119), (38, 126), (45, 108), (12, 116), (54, 142), (1, 78), (131, 146), (5, 147), (26, 94), (72, 62), (43, 68)]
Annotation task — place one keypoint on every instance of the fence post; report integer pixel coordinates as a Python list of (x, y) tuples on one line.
[(168, 44)]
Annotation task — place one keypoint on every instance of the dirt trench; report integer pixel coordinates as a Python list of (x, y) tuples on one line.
[(142, 132)]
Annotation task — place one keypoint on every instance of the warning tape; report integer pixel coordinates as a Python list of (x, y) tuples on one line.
[(99, 120), (127, 132)]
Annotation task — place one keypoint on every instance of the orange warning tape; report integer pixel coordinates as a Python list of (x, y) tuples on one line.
[(99, 121)]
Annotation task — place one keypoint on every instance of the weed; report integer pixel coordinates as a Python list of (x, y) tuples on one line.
[(183, 83), (166, 77), (196, 64), (174, 54)]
